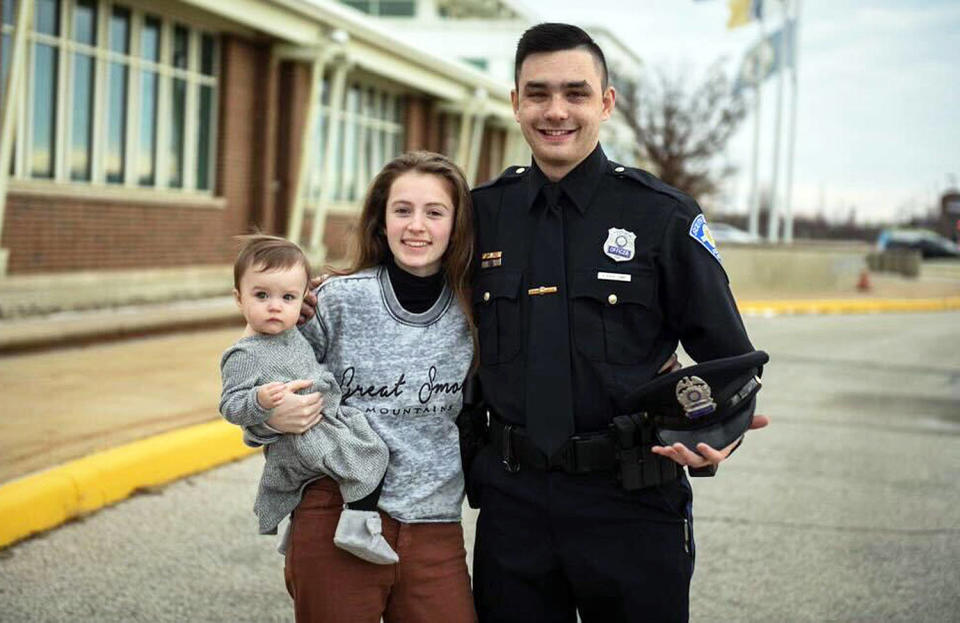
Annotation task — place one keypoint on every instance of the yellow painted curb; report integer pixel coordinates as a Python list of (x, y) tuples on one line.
[(46, 499), (848, 306)]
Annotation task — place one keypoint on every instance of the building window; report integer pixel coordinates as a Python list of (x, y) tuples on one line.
[(44, 72), (84, 59), (116, 95), (178, 108), (149, 83), (371, 132), (384, 8), (480, 63), (117, 103)]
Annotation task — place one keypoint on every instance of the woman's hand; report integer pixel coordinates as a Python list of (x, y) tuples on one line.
[(297, 413), (309, 306)]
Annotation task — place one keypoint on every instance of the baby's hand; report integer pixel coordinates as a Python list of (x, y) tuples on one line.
[(271, 394)]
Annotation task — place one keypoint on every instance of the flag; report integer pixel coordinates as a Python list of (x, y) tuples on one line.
[(743, 11), (763, 59)]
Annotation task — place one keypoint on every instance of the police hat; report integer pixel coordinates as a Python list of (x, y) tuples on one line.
[(709, 403)]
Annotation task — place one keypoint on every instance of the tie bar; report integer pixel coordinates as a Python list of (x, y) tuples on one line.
[(542, 290)]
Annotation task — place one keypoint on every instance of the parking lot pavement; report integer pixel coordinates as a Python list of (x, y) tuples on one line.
[(844, 509)]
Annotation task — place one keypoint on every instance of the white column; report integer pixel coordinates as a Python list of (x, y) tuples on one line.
[(362, 177), (791, 145), (330, 163), (754, 220), (463, 142), (307, 149), (773, 222), (8, 113), (476, 136), (520, 152)]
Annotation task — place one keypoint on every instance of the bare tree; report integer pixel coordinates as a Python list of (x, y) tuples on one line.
[(681, 132)]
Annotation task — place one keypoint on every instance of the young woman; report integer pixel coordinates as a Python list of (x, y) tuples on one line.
[(396, 331)]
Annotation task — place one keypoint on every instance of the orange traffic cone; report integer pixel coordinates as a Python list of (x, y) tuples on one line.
[(863, 283)]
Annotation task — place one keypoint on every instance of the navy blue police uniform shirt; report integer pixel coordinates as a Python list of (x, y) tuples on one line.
[(643, 275)]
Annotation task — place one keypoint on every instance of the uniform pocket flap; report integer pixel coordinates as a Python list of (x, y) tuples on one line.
[(614, 288), (495, 285)]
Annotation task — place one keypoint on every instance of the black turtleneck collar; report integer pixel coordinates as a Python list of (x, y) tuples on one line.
[(415, 294)]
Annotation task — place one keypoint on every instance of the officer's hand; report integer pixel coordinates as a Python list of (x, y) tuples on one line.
[(679, 453), (297, 413), (309, 306)]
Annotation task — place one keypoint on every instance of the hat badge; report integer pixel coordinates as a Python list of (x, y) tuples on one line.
[(695, 397)]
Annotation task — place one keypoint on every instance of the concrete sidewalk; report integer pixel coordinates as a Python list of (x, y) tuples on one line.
[(86, 427)]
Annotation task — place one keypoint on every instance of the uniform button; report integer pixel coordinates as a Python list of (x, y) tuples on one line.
[(486, 296), (612, 299), (521, 169), (618, 170)]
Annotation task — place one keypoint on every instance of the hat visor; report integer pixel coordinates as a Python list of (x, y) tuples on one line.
[(717, 436)]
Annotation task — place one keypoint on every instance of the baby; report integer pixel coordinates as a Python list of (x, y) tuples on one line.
[(260, 369)]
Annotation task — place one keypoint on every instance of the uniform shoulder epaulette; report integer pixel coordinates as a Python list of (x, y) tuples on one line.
[(655, 184), (510, 174)]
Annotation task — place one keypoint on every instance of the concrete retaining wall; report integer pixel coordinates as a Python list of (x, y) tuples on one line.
[(799, 269), (802, 269), (28, 295)]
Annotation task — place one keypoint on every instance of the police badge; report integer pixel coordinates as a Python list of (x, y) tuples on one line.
[(619, 245), (694, 396)]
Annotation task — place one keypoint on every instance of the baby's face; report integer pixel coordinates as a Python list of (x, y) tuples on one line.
[(270, 300)]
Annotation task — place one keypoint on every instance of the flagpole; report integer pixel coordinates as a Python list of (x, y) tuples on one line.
[(773, 222), (754, 222), (795, 58)]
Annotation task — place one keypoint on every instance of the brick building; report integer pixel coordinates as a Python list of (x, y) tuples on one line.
[(139, 136)]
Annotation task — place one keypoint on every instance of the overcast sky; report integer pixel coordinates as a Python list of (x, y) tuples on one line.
[(879, 92)]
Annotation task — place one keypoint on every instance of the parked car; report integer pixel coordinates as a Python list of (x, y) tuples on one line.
[(726, 233), (930, 244)]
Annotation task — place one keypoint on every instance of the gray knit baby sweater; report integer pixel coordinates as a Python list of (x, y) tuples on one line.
[(342, 445), (405, 372)]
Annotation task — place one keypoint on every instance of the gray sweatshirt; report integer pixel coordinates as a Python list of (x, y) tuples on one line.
[(405, 372), (342, 445)]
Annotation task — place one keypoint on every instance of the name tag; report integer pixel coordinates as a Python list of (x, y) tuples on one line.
[(614, 276)]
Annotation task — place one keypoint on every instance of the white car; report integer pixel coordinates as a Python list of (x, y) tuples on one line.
[(725, 233)]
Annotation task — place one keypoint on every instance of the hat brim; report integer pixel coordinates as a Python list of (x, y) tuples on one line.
[(718, 435)]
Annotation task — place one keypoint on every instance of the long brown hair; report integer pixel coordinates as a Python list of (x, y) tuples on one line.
[(371, 248)]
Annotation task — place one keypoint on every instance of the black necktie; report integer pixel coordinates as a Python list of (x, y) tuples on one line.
[(549, 399)]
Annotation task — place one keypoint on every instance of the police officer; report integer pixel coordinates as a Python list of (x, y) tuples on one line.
[(588, 275)]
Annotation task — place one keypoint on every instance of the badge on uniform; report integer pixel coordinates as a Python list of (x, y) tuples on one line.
[(700, 231), (619, 245)]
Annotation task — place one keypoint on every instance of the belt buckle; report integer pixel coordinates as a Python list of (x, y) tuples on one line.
[(510, 462)]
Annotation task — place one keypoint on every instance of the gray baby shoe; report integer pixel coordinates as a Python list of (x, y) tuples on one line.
[(361, 534)]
